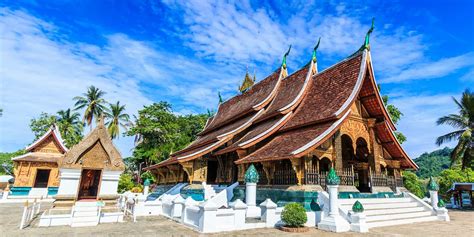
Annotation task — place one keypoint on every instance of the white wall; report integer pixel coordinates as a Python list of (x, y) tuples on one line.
[(109, 183), (69, 181)]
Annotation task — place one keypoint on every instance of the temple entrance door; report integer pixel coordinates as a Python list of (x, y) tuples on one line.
[(363, 181), (42, 177), (89, 185), (211, 171)]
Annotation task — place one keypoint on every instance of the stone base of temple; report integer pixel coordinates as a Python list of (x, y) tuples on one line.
[(334, 224), (253, 212)]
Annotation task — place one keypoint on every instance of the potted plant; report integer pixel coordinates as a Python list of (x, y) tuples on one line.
[(294, 217)]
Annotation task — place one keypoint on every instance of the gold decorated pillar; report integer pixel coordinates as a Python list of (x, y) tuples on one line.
[(297, 165), (337, 157), (375, 147), (269, 169), (188, 168)]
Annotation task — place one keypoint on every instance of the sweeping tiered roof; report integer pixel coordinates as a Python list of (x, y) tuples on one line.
[(48, 148), (299, 113)]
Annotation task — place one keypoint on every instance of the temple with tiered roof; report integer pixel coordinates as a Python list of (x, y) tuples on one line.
[(294, 128)]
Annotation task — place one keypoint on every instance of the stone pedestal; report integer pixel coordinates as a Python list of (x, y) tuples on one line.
[(434, 198), (269, 212), (358, 222), (442, 214), (333, 221)]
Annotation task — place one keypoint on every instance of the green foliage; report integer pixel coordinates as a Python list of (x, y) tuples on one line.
[(125, 183), (395, 114), (431, 164), (463, 126), (413, 184), (68, 123), (117, 118), (41, 125), (6, 161), (159, 132), (93, 103), (294, 215), (454, 175), (148, 175)]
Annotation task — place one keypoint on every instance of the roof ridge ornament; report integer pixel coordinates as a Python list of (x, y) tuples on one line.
[(220, 99), (367, 36), (366, 44), (283, 63), (314, 58), (247, 83)]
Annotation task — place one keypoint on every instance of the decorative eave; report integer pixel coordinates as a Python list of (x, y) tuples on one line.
[(266, 133), (399, 146), (377, 93), (53, 131), (321, 138)]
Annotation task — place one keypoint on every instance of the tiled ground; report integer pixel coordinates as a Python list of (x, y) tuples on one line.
[(462, 224)]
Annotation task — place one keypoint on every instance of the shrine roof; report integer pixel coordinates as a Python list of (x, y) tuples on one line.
[(39, 157), (258, 96), (331, 92)]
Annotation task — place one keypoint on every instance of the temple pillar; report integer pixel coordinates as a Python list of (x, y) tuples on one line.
[(241, 172), (375, 147), (337, 158), (199, 170), (269, 169), (298, 167), (188, 168), (220, 171)]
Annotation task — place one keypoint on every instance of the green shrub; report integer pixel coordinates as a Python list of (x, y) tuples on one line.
[(453, 175), (294, 215), (125, 183), (413, 184)]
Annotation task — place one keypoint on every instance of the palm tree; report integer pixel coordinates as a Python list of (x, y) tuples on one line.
[(70, 126), (93, 102), (118, 118), (463, 122)]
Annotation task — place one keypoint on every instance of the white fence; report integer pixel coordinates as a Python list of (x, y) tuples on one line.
[(29, 212)]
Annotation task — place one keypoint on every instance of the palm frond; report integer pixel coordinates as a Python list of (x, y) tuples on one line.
[(454, 120), (449, 137)]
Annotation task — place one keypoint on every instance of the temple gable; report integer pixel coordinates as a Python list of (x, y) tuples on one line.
[(94, 157)]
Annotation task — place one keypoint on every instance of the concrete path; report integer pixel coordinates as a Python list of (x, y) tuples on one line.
[(462, 224)]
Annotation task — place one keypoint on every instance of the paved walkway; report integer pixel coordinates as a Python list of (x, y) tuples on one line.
[(462, 224)]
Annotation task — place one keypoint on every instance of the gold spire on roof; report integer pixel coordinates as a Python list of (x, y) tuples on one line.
[(247, 83)]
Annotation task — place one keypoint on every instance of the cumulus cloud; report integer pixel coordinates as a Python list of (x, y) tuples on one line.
[(419, 120)]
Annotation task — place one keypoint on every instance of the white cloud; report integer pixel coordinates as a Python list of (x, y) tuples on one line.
[(43, 73), (419, 121)]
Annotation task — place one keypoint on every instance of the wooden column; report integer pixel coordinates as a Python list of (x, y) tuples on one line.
[(375, 147), (269, 169), (297, 165), (337, 158), (188, 168)]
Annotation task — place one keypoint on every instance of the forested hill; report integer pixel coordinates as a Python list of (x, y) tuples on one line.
[(431, 164)]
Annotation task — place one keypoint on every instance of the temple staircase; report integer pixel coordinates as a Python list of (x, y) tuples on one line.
[(392, 211), (85, 214)]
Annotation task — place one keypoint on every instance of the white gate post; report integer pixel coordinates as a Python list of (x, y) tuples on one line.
[(333, 222), (251, 180)]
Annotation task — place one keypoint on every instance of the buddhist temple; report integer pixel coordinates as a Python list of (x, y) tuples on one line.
[(294, 127), (36, 172), (90, 169)]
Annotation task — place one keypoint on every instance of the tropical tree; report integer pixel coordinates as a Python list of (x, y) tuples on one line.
[(93, 102), (70, 126), (463, 123), (117, 118), (395, 114)]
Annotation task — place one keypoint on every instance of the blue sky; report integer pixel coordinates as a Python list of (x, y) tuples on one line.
[(183, 52)]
